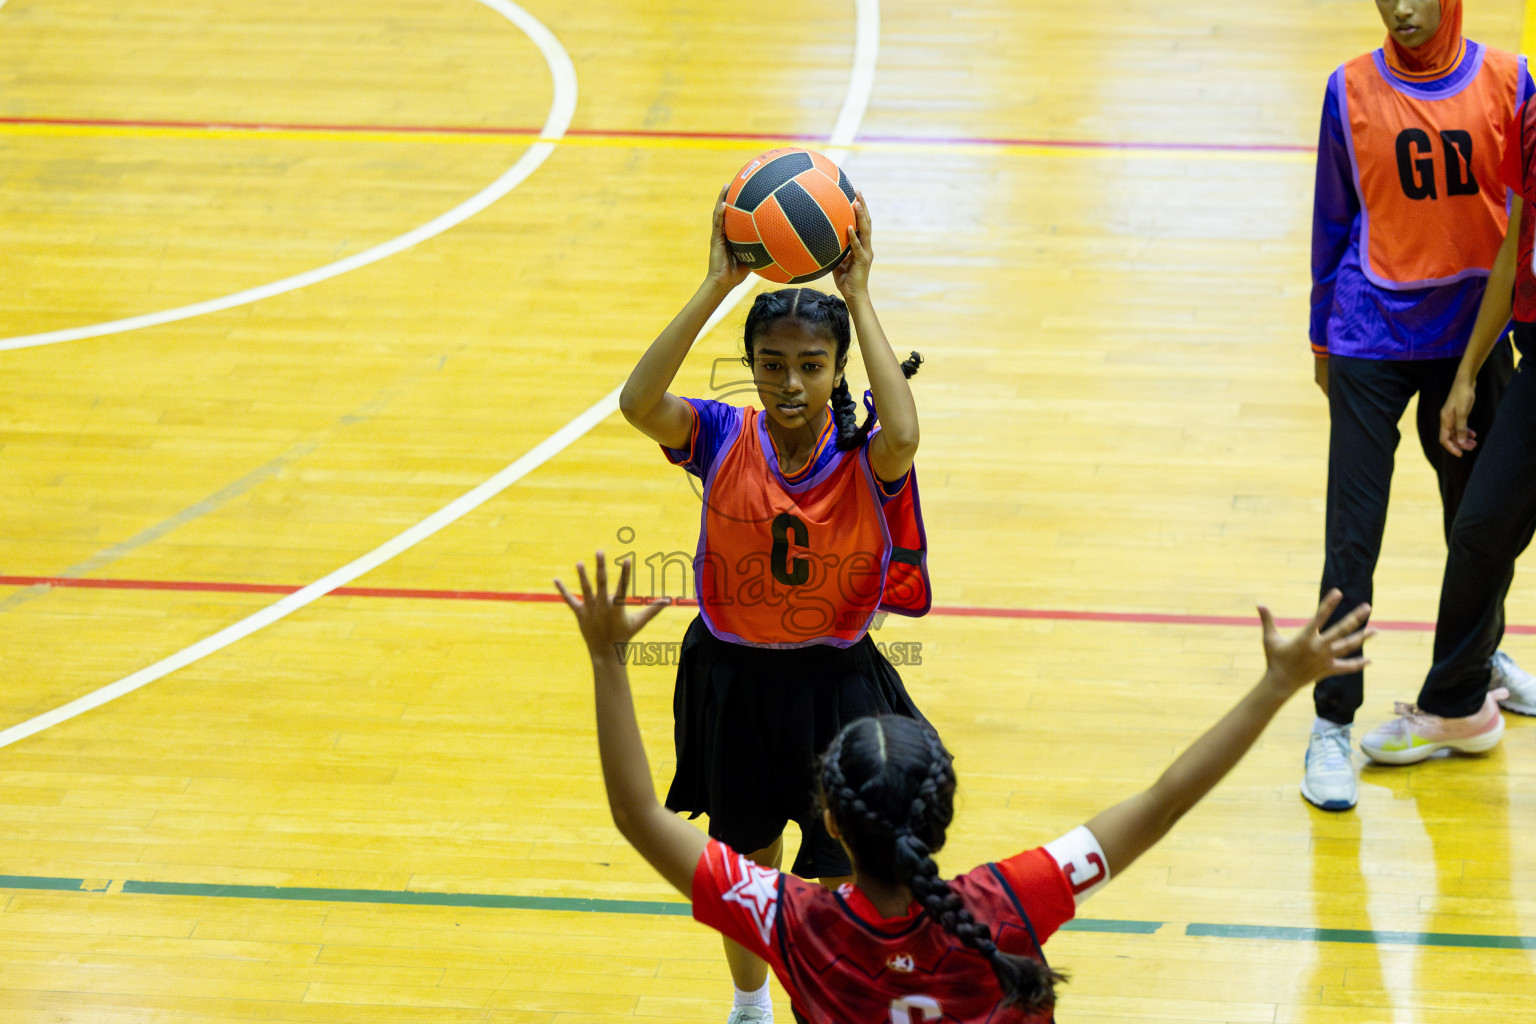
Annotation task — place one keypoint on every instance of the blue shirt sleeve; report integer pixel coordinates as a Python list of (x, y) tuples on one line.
[(712, 423), (1335, 208)]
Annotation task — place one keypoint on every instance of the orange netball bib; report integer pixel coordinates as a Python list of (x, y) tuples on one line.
[(1426, 167), (790, 565)]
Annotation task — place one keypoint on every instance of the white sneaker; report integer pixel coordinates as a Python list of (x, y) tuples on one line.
[(1520, 684), (1330, 779), (750, 1015)]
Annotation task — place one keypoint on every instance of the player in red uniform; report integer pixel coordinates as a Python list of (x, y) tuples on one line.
[(1459, 701), (901, 943), (810, 525)]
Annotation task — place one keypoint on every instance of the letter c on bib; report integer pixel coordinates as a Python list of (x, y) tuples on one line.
[(792, 572)]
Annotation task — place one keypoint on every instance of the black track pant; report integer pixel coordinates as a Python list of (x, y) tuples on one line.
[(1366, 398), (1492, 528)]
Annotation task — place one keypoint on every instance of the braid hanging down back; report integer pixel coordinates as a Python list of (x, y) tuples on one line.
[(895, 820)]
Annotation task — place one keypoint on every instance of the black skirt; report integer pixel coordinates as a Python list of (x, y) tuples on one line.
[(750, 723)]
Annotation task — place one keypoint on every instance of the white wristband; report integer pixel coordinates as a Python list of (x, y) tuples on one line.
[(1082, 860)]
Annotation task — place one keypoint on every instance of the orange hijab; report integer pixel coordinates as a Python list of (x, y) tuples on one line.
[(1437, 56)]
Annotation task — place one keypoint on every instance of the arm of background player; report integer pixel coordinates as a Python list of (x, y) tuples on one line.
[(892, 450), (1492, 317), (645, 400), (1335, 205), (671, 845), (1130, 828)]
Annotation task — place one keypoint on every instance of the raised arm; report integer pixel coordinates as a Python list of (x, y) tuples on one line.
[(671, 845), (893, 448), (1492, 317), (1133, 826), (645, 400)]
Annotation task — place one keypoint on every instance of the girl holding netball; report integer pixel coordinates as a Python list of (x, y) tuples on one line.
[(810, 525), (1407, 219), (901, 942)]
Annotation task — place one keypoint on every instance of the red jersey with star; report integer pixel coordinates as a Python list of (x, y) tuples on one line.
[(843, 963)]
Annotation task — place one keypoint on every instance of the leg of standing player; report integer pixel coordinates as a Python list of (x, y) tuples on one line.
[(1366, 398), (1458, 706), (1493, 527)]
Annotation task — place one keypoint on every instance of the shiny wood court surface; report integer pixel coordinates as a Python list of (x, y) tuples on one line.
[(1092, 219)]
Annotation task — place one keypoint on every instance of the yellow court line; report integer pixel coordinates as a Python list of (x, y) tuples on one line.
[(1528, 31), (619, 141)]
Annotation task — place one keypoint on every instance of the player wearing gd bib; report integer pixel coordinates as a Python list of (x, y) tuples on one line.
[(1408, 216)]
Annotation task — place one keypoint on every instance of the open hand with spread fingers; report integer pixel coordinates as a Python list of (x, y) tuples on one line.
[(1315, 652), (603, 618)]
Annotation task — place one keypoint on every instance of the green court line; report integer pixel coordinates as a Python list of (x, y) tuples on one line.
[(33, 882), (493, 901), (418, 899), (1104, 924), (1374, 938)]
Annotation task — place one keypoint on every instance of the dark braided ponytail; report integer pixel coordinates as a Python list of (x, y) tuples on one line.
[(851, 433), (890, 786), (827, 314)]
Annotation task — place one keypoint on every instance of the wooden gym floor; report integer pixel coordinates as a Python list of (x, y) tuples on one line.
[(380, 802)]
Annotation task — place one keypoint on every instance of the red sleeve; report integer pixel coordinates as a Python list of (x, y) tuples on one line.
[(1041, 888), (1512, 164), (737, 898)]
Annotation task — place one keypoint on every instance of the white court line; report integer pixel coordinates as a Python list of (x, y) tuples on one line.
[(856, 102), (561, 110)]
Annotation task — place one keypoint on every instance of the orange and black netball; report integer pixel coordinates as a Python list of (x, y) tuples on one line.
[(787, 215)]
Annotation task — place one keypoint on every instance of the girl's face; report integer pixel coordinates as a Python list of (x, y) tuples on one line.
[(1410, 22), (795, 370)]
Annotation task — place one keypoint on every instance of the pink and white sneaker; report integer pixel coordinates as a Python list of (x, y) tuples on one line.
[(1414, 735)]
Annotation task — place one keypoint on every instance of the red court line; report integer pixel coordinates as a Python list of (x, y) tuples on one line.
[(210, 587), (543, 597), (635, 133)]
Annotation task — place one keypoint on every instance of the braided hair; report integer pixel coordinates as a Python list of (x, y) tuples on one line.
[(828, 315), (890, 787)]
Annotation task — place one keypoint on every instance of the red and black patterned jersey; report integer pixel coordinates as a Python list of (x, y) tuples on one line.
[(844, 963), (1518, 171)]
